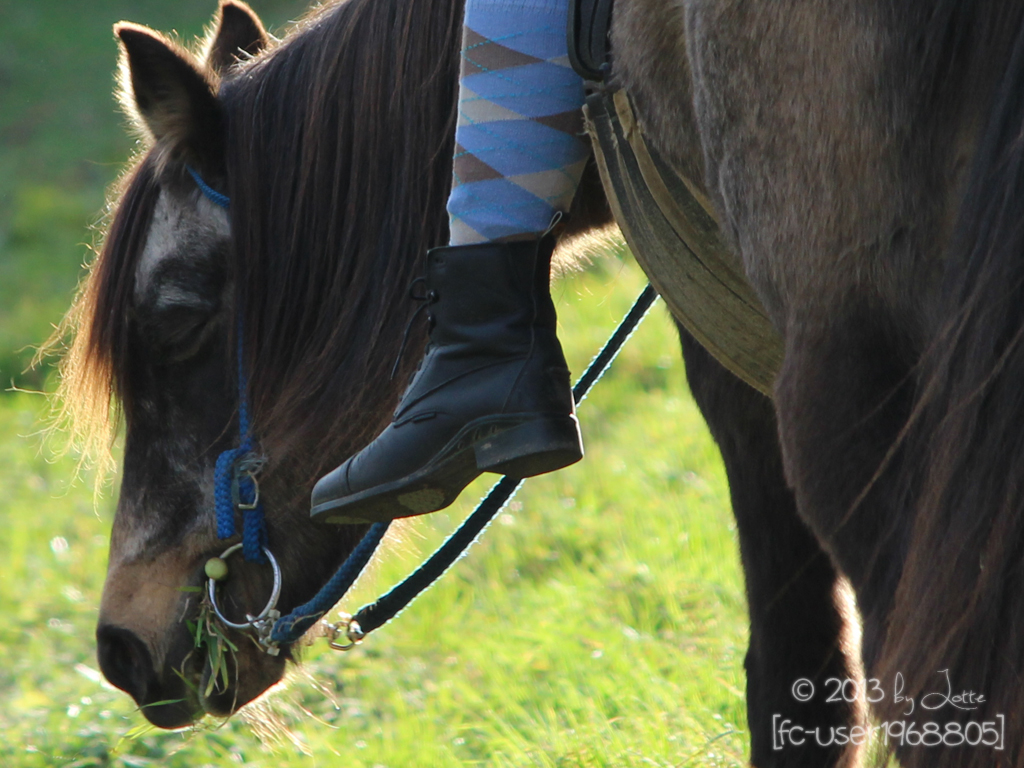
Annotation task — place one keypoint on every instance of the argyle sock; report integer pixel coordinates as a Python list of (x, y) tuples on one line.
[(520, 148)]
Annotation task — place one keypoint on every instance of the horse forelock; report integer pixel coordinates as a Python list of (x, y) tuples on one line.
[(338, 157), (93, 387)]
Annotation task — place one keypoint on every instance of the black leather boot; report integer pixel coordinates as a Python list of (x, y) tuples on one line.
[(491, 395)]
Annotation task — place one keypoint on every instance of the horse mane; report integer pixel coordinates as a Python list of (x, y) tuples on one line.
[(338, 166), (338, 154)]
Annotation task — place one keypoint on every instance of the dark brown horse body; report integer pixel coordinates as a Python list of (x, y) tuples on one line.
[(864, 161)]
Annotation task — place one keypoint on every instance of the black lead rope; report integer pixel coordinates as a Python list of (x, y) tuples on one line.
[(615, 343), (379, 613), (375, 615)]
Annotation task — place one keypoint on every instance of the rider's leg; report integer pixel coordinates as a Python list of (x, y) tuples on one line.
[(493, 392), (519, 150)]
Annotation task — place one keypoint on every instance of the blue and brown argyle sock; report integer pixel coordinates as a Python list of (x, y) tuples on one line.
[(520, 147)]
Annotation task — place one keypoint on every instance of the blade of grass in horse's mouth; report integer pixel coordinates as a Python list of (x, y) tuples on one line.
[(213, 655)]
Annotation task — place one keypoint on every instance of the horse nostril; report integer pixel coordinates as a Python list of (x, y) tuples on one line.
[(124, 661)]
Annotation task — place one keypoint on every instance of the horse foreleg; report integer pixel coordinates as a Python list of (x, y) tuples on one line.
[(796, 626)]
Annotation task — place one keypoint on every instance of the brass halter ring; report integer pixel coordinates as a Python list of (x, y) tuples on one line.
[(264, 623)]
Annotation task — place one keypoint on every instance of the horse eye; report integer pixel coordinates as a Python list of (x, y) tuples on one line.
[(176, 332), (176, 318)]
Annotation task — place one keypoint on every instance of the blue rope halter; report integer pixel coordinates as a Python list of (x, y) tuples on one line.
[(211, 194), (234, 481), (234, 478)]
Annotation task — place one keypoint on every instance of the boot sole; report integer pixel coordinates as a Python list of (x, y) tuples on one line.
[(523, 449)]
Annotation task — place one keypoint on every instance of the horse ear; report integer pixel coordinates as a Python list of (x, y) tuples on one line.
[(170, 95), (239, 32)]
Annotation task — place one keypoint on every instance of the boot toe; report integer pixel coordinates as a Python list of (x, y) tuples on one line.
[(332, 486)]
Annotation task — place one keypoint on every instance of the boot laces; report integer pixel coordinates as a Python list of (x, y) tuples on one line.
[(426, 297)]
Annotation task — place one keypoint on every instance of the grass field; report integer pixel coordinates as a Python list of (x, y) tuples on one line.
[(599, 622)]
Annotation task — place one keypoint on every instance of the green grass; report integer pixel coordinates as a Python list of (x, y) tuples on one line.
[(599, 622)]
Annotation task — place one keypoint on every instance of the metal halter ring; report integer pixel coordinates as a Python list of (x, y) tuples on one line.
[(251, 621)]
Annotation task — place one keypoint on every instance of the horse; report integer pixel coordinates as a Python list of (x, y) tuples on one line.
[(862, 159)]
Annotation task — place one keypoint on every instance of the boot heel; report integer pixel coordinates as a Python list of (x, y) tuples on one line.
[(538, 446)]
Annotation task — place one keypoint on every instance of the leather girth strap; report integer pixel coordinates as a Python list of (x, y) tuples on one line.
[(671, 229), (666, 220)]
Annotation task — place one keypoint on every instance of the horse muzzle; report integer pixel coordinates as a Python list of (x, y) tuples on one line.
[(165, 699)]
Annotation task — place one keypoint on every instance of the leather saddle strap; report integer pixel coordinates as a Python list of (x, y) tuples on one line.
[(671, 229)]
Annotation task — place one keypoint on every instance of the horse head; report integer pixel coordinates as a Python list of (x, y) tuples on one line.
[(294, 272)]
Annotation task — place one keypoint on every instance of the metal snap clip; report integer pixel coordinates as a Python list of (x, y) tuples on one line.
[(350, 628)]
